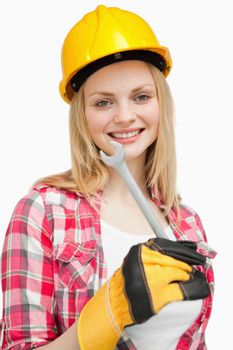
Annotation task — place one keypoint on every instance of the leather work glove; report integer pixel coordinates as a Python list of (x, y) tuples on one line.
[(152, 275)]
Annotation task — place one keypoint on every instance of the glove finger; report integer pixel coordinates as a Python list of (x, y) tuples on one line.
[(189, 244), (193, 289), (196, 288), (159, 276), (152, 258), (170, 293), (176, 250)]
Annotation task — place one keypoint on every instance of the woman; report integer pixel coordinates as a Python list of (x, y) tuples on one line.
[(73, 231)]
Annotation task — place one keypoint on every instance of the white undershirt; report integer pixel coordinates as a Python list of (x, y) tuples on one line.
[(161, 331)]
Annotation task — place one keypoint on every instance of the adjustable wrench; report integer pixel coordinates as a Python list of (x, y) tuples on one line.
[(117, 161)]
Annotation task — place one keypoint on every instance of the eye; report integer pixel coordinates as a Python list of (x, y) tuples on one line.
[(142, 97), (102, 103)]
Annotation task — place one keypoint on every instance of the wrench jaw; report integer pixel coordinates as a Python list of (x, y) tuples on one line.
[(116, 158)]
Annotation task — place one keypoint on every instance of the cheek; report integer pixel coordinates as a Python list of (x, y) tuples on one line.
[(97, 128), (152, 115), (96, 123), (153, 122)]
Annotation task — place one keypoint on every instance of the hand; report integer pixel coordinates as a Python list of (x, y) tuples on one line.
[(165, 267), (149, 278)]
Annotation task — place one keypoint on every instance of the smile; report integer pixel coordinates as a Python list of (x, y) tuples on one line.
[(125, 135)]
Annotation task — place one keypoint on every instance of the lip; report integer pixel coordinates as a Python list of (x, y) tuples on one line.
[(129, 139)]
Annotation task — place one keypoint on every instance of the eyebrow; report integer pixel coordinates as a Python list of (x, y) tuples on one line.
[(135, 90)]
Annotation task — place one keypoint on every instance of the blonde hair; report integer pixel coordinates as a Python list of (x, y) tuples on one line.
[(89, 175)]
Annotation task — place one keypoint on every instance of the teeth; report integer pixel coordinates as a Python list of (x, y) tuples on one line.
[(124, 135)]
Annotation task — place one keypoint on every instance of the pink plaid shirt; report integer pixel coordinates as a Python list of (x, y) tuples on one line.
[(53, 263)]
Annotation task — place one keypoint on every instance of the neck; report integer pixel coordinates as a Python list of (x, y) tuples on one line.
[(117, 187)]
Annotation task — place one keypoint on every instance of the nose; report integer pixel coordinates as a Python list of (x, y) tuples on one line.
[(124, 114)]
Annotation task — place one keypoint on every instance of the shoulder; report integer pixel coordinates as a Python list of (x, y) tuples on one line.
[(52, 191), (188, 212), (191, 220), (56, 196), (29, 220), (40, 200), (30, 202), (60, 202), (191, 224)]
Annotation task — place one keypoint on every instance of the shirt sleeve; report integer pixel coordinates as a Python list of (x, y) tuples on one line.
[(27, 277), (210, 253)]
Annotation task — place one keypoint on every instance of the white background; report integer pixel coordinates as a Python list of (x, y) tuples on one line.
[(33, 124)]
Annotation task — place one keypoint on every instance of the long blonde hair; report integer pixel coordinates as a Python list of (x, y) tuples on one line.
[(88, 174)]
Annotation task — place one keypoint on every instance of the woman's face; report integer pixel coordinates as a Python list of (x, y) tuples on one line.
[(121, 105)]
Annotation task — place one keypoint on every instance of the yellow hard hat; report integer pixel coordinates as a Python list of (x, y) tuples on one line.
[(104, 36)]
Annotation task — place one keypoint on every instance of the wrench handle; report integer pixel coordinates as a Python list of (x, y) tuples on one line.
[(140, 199)]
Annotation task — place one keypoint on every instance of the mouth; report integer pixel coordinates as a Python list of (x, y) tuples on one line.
[(125, 135)]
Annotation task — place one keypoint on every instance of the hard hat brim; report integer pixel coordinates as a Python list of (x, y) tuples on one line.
[(155, 58)]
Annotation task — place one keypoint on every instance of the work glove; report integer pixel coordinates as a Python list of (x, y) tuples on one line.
[(152, 275)]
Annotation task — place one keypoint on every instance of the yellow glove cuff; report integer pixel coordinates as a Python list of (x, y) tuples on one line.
[(104, 316)]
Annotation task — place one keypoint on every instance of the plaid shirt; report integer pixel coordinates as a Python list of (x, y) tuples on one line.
[(53, 263)]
